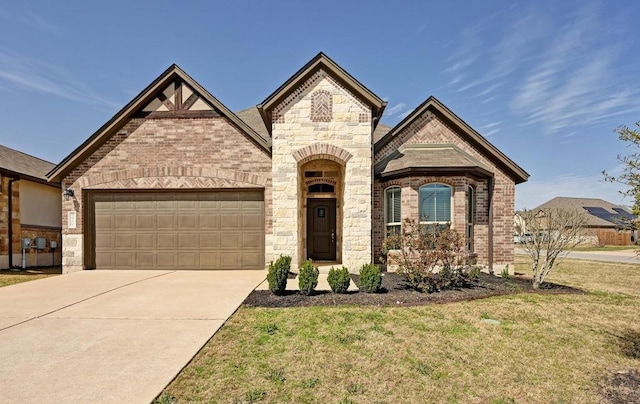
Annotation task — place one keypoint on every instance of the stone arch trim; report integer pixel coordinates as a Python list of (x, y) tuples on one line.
[(322, 151), (173, 177)]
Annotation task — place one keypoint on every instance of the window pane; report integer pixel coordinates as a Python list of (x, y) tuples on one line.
[(393, 205), (435, 203)]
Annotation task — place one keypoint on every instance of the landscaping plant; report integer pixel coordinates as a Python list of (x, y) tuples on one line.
[(554, 233), (339, 279), (370, 278), (431, 258), (278, 273), (308, 277)]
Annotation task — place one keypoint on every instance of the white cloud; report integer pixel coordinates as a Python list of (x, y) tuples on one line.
[(396, 109), (16, 71)]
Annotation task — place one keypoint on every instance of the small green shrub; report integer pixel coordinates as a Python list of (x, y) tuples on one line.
[(505, 272), (278, 273), (370, 278), (308, 277), (339, 279)]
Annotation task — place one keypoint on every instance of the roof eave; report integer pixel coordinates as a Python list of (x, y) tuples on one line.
[(145, 96), (431, 103), (476, 172)]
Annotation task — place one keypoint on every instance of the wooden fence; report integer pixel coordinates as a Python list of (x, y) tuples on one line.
[(608, 237)]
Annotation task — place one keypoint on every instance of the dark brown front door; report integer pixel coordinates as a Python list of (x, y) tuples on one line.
[(321, 229)]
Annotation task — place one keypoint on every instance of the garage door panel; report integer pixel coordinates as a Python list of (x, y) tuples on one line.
[(188, 240), (124, 241), (145, 240), (209, 240), (165, 221), (165, 241), (145, 222), (179, 230)]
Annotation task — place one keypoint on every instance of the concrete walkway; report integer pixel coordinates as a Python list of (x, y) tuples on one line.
[(110, 336)]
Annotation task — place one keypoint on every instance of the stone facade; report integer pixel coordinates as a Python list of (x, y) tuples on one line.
[(345, 139)]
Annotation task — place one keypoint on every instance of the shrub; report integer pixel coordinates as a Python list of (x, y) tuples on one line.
[(339, 279), (278, 273), (505, 272), (433, 258), (308, 277), (370, 278)]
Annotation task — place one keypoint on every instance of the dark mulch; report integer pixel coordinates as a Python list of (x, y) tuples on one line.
[(622, 387), (396, 292)]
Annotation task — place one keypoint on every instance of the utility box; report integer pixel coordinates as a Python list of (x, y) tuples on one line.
[(41, 243), (26, 242), (53, 245)]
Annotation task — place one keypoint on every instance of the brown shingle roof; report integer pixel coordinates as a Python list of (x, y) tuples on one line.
[(380, 131), (251, 116), (562, 202), (20, 163), (435, 158)]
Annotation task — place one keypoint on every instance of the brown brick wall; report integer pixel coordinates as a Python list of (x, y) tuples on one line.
[(171, 153), (429, 129)]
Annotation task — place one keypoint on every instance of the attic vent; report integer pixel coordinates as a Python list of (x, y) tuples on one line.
[(321, 106)]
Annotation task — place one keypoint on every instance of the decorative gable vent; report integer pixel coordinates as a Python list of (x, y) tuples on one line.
[(321, 106), (177, 100)]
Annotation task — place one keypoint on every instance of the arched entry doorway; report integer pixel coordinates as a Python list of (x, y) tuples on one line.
[(321, 224)]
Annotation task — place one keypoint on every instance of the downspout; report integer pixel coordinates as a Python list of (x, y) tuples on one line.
[(373, 176), (490, 235), (10, 224)]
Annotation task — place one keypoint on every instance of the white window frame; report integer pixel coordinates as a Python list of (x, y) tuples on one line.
[(437, 222), (395, 226)]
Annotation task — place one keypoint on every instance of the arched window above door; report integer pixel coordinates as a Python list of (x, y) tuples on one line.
[(321, 188)]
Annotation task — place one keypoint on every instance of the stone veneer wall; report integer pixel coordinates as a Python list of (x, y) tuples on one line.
[(430, 129), (169, 153), (346, 136)]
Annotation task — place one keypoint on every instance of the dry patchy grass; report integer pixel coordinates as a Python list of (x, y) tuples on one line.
[(546, 349), (11, 278)]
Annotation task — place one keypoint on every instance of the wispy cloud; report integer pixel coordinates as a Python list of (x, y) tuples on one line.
[(396, 109), (27, 74), (31, 19), (575, 83)]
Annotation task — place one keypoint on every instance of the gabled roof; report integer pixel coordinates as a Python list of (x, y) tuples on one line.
[(600, 212), (321, 61), (17, 164), (473, 137), (140, 101)]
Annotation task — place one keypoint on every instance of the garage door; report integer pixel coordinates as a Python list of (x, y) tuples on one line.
[(179, 230)]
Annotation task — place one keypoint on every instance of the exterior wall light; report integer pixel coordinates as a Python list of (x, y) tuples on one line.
[(68, 193)]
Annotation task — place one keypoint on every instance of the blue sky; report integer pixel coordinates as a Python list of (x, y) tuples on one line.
[(547, 82)]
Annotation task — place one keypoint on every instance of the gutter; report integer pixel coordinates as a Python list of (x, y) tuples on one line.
[(490, 235), (10, 225)]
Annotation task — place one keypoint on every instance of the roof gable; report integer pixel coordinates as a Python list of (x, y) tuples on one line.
[(173, 94), (321, 61), (471, 136), (600, 213)]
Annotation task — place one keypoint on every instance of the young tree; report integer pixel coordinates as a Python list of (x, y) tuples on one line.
[(550, 235), (630, 176)]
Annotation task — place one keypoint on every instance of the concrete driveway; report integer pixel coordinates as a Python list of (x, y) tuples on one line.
[(621, 256), (110, 336)]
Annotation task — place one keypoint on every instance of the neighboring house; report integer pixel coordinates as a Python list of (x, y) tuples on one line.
[(607, 223), (30, 207), (177, 180)]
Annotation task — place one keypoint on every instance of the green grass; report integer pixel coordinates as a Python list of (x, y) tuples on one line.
[(11, 278), (546, 348)]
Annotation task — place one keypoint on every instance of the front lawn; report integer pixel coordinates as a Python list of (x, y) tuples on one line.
[(542, 348), (11, 278)]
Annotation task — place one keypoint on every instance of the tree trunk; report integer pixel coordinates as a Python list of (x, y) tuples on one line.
[(536, 285)]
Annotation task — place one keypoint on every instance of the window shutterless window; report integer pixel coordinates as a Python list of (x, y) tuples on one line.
[(435, 204), (392, 210)]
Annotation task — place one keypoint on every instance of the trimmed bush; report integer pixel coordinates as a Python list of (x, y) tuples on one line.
[(308, 277), (339, 279), (370, 278), (278, 273)]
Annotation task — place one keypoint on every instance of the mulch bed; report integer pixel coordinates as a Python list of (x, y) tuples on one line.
[(396, 292)]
